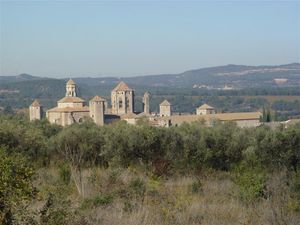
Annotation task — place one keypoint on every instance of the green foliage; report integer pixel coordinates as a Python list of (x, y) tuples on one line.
[(55, 211), (295, 191), (16, 186), (196, 187), (65, 173), (251, 184), (101, 199), (138, 186)]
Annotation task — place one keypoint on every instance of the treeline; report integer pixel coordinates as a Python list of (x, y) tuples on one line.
[(189, 147)]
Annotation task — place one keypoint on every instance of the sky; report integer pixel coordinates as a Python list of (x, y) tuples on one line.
[(128, 38)]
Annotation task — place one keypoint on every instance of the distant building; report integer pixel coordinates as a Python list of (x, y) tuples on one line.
[(35, 111), (97, 109), (280, 81), (72, 109), (122, 99), (205, 110), (165, 108)]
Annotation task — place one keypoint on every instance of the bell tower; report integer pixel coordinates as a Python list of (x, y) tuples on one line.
[(71, 88)]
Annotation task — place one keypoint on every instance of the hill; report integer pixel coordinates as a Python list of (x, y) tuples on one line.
[(230, 80), (238, 76)]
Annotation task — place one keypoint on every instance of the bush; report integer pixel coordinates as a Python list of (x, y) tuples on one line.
[(102, 199), (252, 183), (65, 174), (195, 187), (138, 186)]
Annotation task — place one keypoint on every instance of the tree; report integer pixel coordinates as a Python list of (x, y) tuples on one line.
[(81, 146), (16, 186)]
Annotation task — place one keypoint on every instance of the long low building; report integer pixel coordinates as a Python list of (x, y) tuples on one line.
[(243, 119)]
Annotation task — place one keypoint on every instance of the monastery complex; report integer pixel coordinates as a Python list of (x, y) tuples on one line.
[(73, 109)]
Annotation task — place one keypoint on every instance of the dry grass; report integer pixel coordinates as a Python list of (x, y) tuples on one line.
[(205, 200)]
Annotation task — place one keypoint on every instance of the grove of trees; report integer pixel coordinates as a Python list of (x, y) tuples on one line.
[(248, 154)]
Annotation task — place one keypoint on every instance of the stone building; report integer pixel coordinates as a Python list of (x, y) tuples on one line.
[(97, 109), (205, 110), (35, 111), (165, 108), (122, 99), (72, 109)]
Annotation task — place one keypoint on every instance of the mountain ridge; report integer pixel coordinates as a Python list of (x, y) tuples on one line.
[(240, 75)]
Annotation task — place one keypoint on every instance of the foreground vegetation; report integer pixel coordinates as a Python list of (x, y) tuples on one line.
[(122, 174)]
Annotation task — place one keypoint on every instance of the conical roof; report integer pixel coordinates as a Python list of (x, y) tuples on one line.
[(70, 82), (165, 103), (97, 98), (35, 103), (122, 86)]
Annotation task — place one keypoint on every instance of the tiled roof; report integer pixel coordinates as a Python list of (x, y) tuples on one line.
[(219, 116), (71, 82), (70, 99), (35, 103), (70, 109), (122, 86), (97, 98), (143, 114), (165, 103), (129, 116), (205, 106)]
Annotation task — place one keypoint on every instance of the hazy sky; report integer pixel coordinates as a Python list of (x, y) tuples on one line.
[(121, 38)]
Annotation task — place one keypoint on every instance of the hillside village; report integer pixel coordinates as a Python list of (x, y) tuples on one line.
[(73, 109)]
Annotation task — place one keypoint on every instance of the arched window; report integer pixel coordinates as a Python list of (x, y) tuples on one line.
[(120, 103), (80, 120)]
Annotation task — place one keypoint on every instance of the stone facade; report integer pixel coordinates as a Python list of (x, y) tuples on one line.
[(205, 110), (122, 99), (146, 102), (96, 106), (165, 108), (72, 109), (35, 111)]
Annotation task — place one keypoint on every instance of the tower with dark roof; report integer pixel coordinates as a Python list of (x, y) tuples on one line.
[(122, 99), (35, 111)]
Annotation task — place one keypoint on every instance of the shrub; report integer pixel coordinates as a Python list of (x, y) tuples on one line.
[(195, 187), (251, 183), (102, 199), (65, 174), (138, 186)]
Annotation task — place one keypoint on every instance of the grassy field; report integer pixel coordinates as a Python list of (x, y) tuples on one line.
[(135, 197)]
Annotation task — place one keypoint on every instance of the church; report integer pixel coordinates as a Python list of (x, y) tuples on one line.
[(73, 109)]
